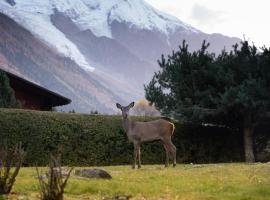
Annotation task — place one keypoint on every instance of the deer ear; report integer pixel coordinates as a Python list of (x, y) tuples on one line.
[(118, 106), (131, 104)]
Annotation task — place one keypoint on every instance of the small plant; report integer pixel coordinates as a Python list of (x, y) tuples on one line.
[(94, 112), (53, 183), (9, 158)]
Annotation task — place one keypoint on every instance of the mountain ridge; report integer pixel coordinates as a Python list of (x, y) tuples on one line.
[(113, 46)]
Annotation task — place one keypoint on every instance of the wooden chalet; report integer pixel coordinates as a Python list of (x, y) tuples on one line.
[(33, 96)]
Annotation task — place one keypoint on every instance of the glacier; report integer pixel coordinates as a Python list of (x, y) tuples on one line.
[(36, 19)]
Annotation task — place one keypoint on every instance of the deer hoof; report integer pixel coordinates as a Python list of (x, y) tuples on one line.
[(174, 164)]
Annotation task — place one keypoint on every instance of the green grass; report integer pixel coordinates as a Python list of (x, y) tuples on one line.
[(189, 182)]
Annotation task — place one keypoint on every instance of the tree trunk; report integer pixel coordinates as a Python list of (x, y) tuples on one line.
[(248, 144)]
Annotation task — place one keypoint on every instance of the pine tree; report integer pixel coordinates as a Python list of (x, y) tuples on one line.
[(232, 89), (183, 85), (7, 97)]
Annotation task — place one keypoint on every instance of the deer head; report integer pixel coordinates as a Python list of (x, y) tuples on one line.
[(125, 109)]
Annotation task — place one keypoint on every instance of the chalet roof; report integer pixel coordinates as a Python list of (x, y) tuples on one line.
[(53, 98)]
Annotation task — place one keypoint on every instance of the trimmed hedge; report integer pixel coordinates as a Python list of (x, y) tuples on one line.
[(100, 139)]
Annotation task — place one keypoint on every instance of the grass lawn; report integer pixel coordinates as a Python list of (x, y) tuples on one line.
[(185, 182)]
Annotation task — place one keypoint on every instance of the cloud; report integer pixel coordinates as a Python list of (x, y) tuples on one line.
[(208, 17)]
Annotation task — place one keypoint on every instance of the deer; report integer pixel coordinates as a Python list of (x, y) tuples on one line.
[(139, 132)]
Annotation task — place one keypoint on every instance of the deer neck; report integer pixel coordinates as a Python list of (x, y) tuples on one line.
[(126, 125)]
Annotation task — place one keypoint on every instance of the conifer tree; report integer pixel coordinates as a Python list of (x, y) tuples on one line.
[(7, 97), (232, 89)]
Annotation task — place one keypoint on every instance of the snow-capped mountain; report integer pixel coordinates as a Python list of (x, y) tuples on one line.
[(117, 41), (94, 15)]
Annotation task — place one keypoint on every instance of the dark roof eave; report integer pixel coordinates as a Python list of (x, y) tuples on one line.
[(61, 99)]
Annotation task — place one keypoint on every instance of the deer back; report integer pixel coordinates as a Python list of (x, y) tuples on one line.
[(149, 131)]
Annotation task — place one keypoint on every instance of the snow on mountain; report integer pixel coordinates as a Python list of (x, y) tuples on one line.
[(97, 15), (35, 16), (94, 15), (135, 13)]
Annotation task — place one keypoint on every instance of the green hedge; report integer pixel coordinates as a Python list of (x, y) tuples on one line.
[(100, 139)]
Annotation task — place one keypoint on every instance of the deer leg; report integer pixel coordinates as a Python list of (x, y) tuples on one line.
[(173, 151), (139, 156), (135, 156), (167, 153)]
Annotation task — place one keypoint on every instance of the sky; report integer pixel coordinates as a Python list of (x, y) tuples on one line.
[(249, 19)]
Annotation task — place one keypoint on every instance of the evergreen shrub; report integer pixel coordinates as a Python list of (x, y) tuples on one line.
[(100, 140)]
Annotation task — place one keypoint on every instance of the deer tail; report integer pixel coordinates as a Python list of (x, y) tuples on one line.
[(172, 128)]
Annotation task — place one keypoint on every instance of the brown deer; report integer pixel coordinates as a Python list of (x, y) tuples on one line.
[(139, 132)]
